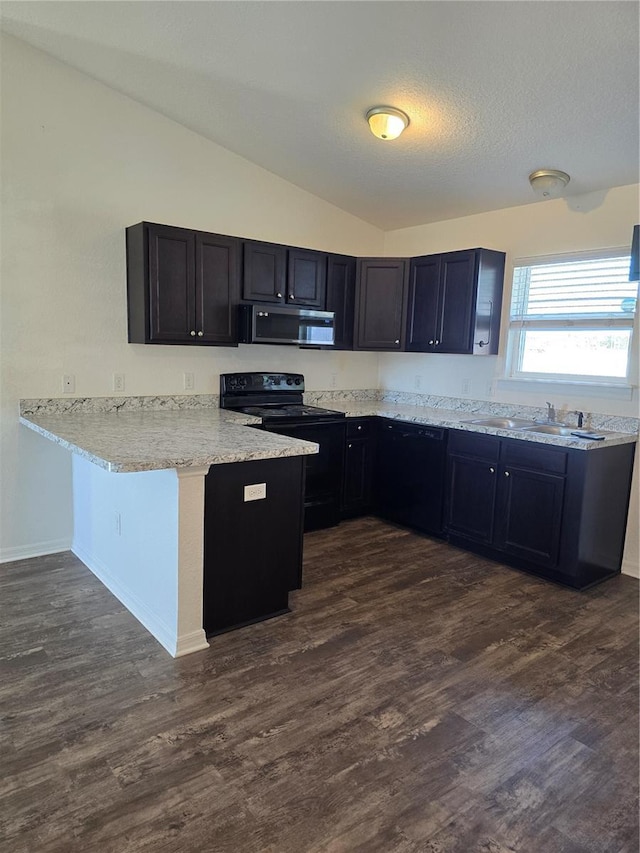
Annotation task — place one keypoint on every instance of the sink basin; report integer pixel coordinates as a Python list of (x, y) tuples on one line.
[(550, 429), (502, 423)]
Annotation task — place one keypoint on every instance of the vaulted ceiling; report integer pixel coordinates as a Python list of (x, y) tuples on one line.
[(494, 90)]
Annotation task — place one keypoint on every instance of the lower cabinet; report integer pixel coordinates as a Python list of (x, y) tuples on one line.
[(359, 459), (560, 513), (410, 475), (252, 548)]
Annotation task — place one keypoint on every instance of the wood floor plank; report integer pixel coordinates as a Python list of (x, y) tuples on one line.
[(417, 698)]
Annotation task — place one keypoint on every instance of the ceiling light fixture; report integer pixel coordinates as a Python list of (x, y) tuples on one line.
[(548, 183), (386, 122)]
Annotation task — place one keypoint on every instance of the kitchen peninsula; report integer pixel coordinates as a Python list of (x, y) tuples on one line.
[(139, 468)]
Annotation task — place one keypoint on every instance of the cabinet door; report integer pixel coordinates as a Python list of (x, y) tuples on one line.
[(530, 515), (306, 278), (217, 285), (457, 303), (358, 471), (381, 304), (472, 498), (171, 259), (422, 312), (265, 267), (341, 292)]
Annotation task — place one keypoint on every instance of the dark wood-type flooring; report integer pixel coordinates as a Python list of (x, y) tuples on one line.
[(416, 699)]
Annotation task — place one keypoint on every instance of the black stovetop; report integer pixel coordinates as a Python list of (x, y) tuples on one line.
[(270, 396)]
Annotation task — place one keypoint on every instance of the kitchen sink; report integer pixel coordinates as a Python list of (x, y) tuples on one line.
[(503, 423), (550, 429)]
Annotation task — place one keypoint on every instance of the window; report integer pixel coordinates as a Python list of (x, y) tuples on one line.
[(572, 318)]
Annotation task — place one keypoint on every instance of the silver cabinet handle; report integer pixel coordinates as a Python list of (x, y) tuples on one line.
[(437, 343), (200, 334), (397, 342), (193, 334), (507, 474), (430, 343), (279, 295), (291, 296), (359, 427), (492, 470), (350, 445)]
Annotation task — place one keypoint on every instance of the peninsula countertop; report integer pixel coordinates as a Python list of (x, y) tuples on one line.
[(148, 440)]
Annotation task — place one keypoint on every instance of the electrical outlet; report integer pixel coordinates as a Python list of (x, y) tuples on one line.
[(255, 492), (466, 387), (334, 380), (189, 381), (118, 382), (68, 383), (117, 524), (417, 382)]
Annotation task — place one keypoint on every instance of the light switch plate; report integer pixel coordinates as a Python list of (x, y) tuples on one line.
[(255, 492)]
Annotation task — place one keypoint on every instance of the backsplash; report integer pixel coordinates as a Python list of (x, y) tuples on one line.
[(62, 405)]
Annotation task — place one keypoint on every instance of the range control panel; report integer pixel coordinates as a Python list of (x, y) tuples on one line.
[(263, 383)]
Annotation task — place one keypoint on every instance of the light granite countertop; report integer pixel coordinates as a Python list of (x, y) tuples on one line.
[(145, 434), (147, 440), (454, 419)]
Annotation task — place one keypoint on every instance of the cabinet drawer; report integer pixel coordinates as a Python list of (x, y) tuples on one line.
[(471, 444), (535, 457), (357, 428)]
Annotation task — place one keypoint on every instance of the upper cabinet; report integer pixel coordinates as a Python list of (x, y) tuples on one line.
[(182, 286), (381, 299), (455, 301), (341, 297), (278, 274)]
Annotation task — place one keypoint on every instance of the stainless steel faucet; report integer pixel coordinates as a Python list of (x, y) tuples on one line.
[(580, 418), (551, 412)]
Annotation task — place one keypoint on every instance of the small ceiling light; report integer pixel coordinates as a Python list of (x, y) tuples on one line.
[(548, 183), (387, 123)]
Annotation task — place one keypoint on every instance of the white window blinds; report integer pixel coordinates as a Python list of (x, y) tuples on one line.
[(579, 289)]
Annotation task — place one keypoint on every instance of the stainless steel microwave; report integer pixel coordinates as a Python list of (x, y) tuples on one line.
[(276, 324)]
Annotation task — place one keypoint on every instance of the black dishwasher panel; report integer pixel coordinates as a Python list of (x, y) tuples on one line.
[(410, 475)]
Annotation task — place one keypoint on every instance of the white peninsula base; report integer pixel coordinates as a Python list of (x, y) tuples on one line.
[(142, 535)]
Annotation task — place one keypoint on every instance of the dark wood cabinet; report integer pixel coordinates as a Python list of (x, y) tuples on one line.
[(410, 475), (381, 301), (306, 278), (359, 457), (245, 581), (341, 295), (182, 286), (283, 275), (264, 272), (454, 302), (556, 512)]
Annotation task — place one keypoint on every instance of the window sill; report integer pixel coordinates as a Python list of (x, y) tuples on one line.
[(577, 389)]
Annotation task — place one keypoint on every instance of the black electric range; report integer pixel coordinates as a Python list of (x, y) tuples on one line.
[(272, 397), (276, 398)]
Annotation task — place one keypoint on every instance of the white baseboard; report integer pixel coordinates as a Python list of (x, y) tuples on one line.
[(163, 633), (631, 569), (39, 549)]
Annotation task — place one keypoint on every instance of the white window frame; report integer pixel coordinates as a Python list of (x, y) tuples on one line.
[(516, 327)]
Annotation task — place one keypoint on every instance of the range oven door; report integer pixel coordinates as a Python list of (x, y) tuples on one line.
[(323, 478)]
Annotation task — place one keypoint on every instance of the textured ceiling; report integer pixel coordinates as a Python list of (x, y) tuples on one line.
[(494, 90)]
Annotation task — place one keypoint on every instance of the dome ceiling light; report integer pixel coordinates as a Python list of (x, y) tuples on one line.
[(387, 122), (548, 183)]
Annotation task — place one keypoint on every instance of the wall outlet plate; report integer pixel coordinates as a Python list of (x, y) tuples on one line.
[(255, 492), (118, 382), (68, 383), (189, 381)]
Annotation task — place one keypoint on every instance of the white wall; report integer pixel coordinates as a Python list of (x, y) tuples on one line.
[(80, 162), (594, 221)]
